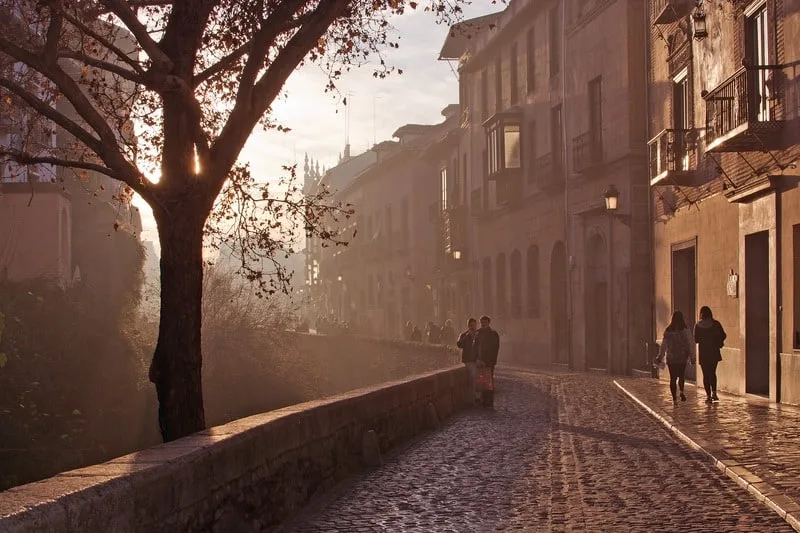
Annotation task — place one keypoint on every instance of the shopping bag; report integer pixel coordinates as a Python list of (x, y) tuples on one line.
[(483, 379)]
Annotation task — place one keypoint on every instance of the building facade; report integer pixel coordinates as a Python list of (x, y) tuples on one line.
[(553, 113), (385, 276), (724, 99)]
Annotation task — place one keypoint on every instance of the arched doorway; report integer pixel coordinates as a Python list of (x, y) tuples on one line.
[(596, 303), (559, 334)]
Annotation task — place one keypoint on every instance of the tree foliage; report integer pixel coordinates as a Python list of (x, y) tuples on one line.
[(135, 89)]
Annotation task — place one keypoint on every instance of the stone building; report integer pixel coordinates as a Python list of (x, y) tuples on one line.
[(55, 222), (724, 97), (552, 115), (385, 276)]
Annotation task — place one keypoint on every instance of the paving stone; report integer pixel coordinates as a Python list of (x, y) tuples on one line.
[(560, 452)]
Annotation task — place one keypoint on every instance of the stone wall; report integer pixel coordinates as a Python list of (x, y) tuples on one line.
[(247, 475)]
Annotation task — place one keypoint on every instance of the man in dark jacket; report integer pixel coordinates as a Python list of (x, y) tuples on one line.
[(486, 347), (465, 342)]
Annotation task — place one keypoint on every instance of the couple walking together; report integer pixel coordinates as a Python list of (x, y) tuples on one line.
[(679, 348), (479, 349)]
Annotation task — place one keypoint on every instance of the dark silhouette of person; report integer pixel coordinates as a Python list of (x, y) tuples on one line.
[(678, 346), (416, 334), (487, 346), (710, 338), (466, 343)]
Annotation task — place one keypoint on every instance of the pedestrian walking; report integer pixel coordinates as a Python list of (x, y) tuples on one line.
[(466, 343), (487, 347), (710, 338), (678, 347)]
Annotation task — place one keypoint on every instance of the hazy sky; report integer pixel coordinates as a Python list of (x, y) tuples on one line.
[(317, 119)]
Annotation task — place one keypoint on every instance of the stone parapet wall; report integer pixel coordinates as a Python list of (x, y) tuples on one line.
[(247, 475)]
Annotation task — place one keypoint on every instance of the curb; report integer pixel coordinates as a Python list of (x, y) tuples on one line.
[(782, 505)]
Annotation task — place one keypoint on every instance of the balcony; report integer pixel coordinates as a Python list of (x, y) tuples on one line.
[(668, 11), (741, 115), (670, 153), (549, 172), (587, 152)]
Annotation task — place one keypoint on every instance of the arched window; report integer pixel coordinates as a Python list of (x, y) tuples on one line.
[(502, 287), (487, 287), (533, 281), (516, 284)]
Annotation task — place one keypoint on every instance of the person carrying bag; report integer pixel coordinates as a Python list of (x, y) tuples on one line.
[(677, 349)]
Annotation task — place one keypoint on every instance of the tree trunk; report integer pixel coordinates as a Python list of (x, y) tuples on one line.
[(176, 369)]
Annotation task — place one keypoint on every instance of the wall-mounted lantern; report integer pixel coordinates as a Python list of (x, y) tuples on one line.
[(611, 198), (457, 255), (699, 26)]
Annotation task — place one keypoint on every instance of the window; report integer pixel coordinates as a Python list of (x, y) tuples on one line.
[(796, 284), (455, 193), (530, 59), (503, 144), (404, 221), (596, 113), (516, 284), (443, 190), (484, 94), (757, 42), (487, 286), (513, 84), (502, 289), (531, 143), (681, 120), (554, 26), (485, 156), (533, 281), (389, 234), (557, 137), (464, 178), (498, 84)]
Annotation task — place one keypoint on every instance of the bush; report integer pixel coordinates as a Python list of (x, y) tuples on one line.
[(71, 386)]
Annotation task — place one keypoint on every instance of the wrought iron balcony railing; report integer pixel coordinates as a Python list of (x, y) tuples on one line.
[(669, 155), (741, 115), (667, 11), (587, 151)]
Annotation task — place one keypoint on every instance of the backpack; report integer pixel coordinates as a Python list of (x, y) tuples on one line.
[(679, 346)]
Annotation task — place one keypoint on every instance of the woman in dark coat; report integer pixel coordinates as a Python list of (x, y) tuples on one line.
[(710, 338), (678, 349)]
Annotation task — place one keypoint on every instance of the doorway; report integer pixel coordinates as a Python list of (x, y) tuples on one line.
[(756, 286), (558, 304), (684, 287), (596, 304)]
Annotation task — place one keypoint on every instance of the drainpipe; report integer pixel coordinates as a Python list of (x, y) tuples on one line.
[(778, 292), (564, 169)]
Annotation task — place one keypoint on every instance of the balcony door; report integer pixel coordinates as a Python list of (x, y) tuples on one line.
[(680, 120), (757, 41)]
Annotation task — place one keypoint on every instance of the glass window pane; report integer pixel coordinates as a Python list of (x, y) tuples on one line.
[(512, 146)]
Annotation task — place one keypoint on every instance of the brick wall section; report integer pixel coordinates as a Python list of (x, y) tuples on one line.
[(244, 476)]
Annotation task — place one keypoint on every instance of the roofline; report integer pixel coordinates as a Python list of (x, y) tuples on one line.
[(463, 23)]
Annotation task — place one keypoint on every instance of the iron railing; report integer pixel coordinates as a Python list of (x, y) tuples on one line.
[(669, 151), (739, 99), (587, 151)]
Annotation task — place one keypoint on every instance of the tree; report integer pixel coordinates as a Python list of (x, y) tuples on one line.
[(150, 87)]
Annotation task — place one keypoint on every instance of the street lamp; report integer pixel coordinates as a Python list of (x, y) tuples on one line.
[(339, 278), (699, 26), (456, 255), (611, 198)]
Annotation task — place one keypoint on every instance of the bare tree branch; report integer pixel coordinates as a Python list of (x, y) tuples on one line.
[(220, 66), (53, 31), (248, 111), (120, 54), (28, 159), (108, 67), (123, 10)]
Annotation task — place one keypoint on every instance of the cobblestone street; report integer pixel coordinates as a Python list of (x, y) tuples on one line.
[(560, 452)]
